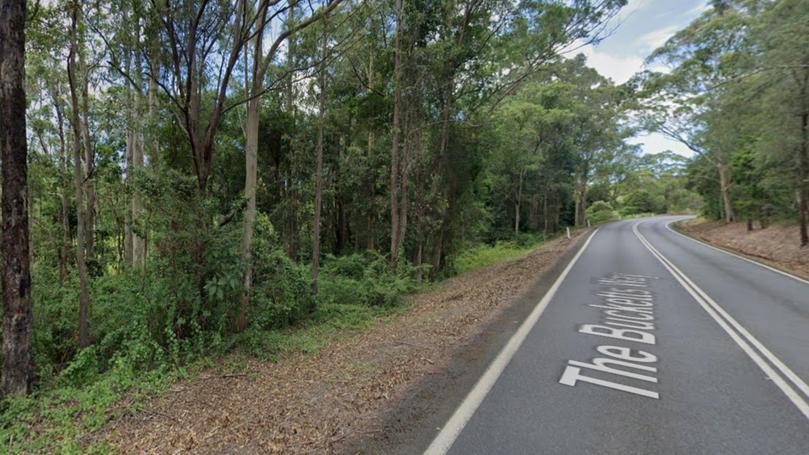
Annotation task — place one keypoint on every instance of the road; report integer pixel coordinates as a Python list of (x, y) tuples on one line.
[(649, 342)]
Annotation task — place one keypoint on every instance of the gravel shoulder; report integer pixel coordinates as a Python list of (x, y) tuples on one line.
[(361, 393), (776, 245)]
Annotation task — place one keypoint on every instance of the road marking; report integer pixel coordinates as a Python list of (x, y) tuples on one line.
[(775, 360), (629, 297), (449, 433), (770, 268), (742, 338)]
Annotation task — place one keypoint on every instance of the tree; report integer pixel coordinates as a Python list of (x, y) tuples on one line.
[(681, 100), (17, 314), (256, 81), (321, 125), (78, 136)]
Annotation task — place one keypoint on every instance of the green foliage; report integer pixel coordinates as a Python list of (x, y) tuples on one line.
[(601, 212), (363, 279), (475, 257), (641, 201)]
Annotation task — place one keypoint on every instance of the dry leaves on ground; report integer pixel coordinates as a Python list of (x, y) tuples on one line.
[(314, 403), (777, 244)]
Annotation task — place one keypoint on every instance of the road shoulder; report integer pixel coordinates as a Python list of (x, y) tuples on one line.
[(361, 393), (410, 426), (775, 246)]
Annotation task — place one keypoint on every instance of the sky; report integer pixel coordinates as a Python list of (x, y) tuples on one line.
[(642, 26)]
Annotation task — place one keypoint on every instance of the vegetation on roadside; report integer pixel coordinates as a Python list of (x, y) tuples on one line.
[(194, 189), (481, 255), (738, 97)]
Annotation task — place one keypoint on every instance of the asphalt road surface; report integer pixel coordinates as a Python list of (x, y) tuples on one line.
[(649, 342)]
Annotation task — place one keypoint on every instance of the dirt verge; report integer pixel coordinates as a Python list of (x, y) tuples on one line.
[(777, 245), (327, 401)]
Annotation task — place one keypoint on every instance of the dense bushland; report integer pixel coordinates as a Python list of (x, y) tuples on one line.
[(253, 177)]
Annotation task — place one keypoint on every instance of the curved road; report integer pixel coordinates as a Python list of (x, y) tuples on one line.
[(649, 342)]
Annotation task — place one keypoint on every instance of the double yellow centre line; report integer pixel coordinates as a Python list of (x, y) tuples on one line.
[(790, 383)]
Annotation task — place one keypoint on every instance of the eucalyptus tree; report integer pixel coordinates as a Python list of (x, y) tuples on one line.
[(256, 76), (488, 50), (79, 173), (779, 79), (706, 57), (17, 309)]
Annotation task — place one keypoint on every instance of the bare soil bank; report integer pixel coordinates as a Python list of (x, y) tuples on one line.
[(324, 402), (777, 245)]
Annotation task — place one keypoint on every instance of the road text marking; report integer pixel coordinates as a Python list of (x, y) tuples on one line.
[(628, 309)]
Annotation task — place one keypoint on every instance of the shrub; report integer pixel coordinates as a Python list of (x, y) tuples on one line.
[(280, 294), (640, 201), (364, 279), (601, 212)]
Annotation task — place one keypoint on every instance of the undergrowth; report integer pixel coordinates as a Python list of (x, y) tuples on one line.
[(481, 255)]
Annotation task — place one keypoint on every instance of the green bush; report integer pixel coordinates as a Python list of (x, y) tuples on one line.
[(363, 279), (601, 212), (641, 201)]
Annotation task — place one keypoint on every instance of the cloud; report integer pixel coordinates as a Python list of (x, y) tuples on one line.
[(656, 143), (656, 38), (617, 68), (632, 7)]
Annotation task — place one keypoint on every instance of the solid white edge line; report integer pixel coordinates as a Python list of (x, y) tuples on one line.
[(772, 269), (796, 380), (695, 292), (450, 431)]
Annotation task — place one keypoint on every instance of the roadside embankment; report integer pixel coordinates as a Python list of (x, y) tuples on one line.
[(323, 401), (776, 245)]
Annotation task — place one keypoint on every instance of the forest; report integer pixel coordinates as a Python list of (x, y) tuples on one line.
[(183, 179)]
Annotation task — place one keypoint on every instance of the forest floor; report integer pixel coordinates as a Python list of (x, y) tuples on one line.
[(777, 245), (322, 401)]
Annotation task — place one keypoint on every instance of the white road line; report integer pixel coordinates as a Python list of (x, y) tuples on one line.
[(796, 380), (714, 310), (446, 437), (773, 269)]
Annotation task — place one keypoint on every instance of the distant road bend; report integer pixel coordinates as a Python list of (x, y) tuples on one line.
[(648, 342)]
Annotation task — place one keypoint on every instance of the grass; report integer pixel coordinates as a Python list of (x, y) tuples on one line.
[(638, 215), (63, 419), (67, 418), (57, 420), (479, 256)]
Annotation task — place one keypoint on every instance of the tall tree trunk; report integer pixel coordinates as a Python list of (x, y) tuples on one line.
[(581, 203), (138, 241), (321, 124), (724, 189), (17, 314), (517, 204), (250, 172), (546, 215), (394, 149), (65, 244), (438, 250), (289, 208), (84, 302), (533, 213), (154, 114), (89, 153), (128, 157), (417, 261), (804, 178), (403, 209), (372, 176), (129, 154), (128, 242), (250, 178)]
